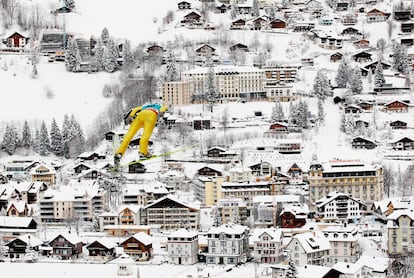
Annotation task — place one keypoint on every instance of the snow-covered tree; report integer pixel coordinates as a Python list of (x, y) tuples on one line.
[(216, 217), (127, 56), (321, 112), (110, 56), (355, 81), (72, 56), (98, 58), (299, 114), (56, 140), (379, 79), (35, 73), (211, 94), (233, 10), (381, 45), (43, 140), (255, 8), (321, 86), (105, 36), (26, 140), (291, 271), (77, 142), (66, 135), (10, 140), (171, 67), (342, 75), (400, 58), (277, 113)]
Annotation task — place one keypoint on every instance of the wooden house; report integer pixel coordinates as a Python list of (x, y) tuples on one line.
[(279, 127), (351, 31), (135, 167), (43, 173), (362, 57), (335, 57), (403, 144), (401, 14), (205, 50), (258, 24), (19, 246), (66, 246), (291, 219), (262, 169), (208, 171), (192, 18), (239, 47), (362, 143), (277, 24), (376, 15), (16, 40), (353, 109), (396, 106), (138, 246), (221, 9), (363, 43), (398, 124), (407, 27), (373, 65), (80, 167), (238, 24), (88, 156), (155, 49), (184, 5), (92, 174), (407, 41), (349, 19), (110, 135), (17, 208), (101, 247), (365, 105), (361, 124)]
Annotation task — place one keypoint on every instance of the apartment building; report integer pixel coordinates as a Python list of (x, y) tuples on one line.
[(400, 226), (246, 191), (360, 180), (208, 189), (268, 245), (43, 173), (232, 82), (228, 244), (232, 209), (339, 206), (183, 247), (176, 93), (344, 243), (310, 248), (72, 203)]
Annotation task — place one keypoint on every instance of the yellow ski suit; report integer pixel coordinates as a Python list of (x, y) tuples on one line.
[(144, 116)]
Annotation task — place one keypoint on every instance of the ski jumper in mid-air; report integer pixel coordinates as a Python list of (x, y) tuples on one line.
[(146, 117)]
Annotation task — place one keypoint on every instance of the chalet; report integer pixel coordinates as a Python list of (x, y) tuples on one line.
[(66, 246), (396, 106), (221, 9), (310, 248), (362, 143), (92, 174), (267, 244), (192, 18), (403, 144), (328, 41), (19, 246), (351, 31), (135, 167), (111, 135), (294, 216), (353, 109), (402, 14), (303, 26), (277, 24), (376, 15), (43, 173), (238, 24), (407, 41), (361, 124), (362, 57), (349, 19), (407, 27), (365, 105), (313, 6), (80, 167), (244, 8), (339, 5), (295, 173), (205, 50), (184, 5), (219, 152), (17, 208), (363, 43), (155, 49), (16, 40), (398, 125), (239, 47), (207, 171), (102, 247), (258, 24), (279, 128), (337, 56), (373, 65), (262, 169), (88, 156), (170, 213)]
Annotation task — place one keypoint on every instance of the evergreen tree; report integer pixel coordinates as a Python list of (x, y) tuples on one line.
[(72, 56), (277, 113), (356, 81), (321, 86), (26, 140), (211, 94), (10, 140), (128, 57), (171, 67), (400, 58), (35, 73), (36, 141), (110, 56), (233, 10), (255, 8), (66, 135), (56, 140), (43, 143), (98, 58), (379, 79), (105, 36), (321, 112), (217, 218), (342, 75), (77, 142)]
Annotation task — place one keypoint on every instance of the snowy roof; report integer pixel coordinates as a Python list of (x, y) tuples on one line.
[(229, 229), (223, 69), (105, 241), (19, 205), (340, 233), (332, 196), (30, 240), (73, 239), (313, 241), (183, 233), (133, 208), (403, 212), (18, 222), (275, 234), (174, 199), (143, 238), (316, 270), (348, 166), (299, 210), (277, 199)]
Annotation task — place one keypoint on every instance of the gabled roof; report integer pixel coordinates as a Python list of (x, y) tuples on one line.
[(141, 237), (15, 222), (104, 241), (18, 205), (73, 239), (169, 200), (229, 229), (312, 242)]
